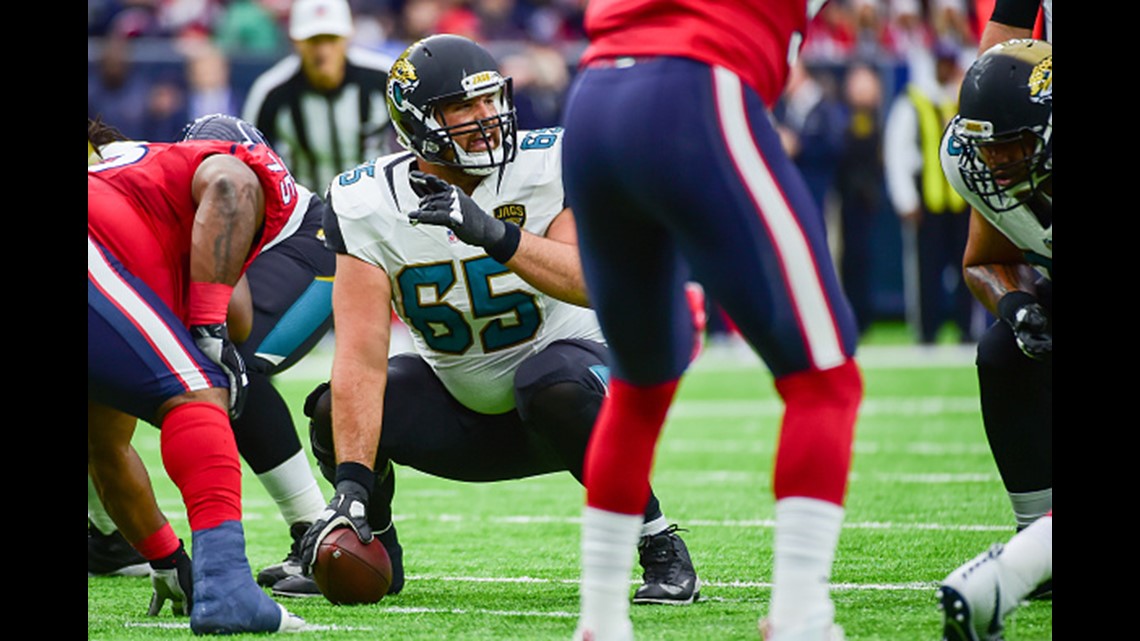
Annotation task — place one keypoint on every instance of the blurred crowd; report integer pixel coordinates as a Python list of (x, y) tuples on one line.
[(537, 41), (858, 56)]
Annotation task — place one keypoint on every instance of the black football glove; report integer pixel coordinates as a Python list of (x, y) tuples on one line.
[(214, 341), (349, 508), (1030, 323), (441, 203)]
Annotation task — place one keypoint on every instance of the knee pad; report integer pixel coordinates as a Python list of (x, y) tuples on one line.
[(561, 379), (318, 407)]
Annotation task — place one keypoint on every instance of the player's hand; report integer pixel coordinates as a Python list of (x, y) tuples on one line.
[(441, 203), (1030, 323), (349, 508), (173, 584), (214, 341)]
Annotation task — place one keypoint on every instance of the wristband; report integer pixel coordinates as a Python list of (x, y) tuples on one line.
[(505, 247), (357, 473), (1013, 301), (209, 303)]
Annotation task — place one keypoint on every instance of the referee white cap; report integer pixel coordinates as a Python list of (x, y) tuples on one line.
[(310, 18)]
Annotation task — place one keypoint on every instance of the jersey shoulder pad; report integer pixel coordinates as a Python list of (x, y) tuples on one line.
[(540, 154), (547, 141)]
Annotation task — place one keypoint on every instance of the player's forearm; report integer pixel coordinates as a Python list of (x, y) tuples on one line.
[(990, 282), (357, 413), (552, 267)]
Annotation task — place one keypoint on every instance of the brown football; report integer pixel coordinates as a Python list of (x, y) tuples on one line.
[(349, 572)]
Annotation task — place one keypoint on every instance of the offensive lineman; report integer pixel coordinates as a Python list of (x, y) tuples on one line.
[(510, 367), (998, 153)]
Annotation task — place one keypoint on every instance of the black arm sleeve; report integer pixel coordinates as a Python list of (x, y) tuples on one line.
[(1016, 13), (334, 240)]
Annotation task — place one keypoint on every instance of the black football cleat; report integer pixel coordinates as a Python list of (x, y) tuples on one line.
[(291, 565), (668, 577), (297, 586), (111, 555)]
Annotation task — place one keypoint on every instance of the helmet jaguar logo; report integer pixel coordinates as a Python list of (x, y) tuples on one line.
[(402, 79), (1041, 81)]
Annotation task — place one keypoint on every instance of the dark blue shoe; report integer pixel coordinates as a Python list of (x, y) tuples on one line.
[(226, 598)]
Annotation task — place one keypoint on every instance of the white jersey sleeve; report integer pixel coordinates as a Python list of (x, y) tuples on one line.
[(473, 320), (1020, 225)]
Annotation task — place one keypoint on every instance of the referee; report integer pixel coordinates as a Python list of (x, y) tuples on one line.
[(322, 108)]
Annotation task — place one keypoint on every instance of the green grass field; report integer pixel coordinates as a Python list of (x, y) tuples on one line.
[(500, 561)]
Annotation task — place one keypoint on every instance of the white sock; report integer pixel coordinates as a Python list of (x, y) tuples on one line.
[(807, 533), (649, 528), (294, 488), (1026, 562), (1030, 506), (609, 543), (96, 512)]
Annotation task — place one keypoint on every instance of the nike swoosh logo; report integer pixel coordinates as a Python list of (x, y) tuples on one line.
[(995, 621)]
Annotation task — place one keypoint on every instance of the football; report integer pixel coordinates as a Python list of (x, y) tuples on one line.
[(349, 572)]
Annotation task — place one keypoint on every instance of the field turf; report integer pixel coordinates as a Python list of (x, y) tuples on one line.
[(499, 561)]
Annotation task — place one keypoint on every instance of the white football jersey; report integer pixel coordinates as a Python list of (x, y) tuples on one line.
[(473, 320), (1019, 224)]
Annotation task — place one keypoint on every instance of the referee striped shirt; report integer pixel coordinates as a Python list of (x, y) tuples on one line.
[(318, 134)]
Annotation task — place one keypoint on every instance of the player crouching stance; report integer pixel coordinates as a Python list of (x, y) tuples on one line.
[(469, 239)]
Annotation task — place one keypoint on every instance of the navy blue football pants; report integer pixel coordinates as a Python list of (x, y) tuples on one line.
[(673, 170)]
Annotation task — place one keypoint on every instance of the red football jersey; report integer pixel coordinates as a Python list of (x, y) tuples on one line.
[(752, 38), (140, 207)]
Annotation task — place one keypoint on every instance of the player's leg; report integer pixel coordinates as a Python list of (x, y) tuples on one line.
[(108, 552), (760, 248), (1016, 403), (558, 394), (143, 361), (122, 482), (425, 428), (976, 597), (1017, 411), (636, 281), (291, 307)]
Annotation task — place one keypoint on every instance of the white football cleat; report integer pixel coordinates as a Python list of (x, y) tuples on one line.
[(971, 599)]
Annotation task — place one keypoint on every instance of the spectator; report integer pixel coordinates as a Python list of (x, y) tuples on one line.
[(248, 26), (860, 186), (116, 92), (208, 80), (540, 78), (322, 108), (420, 19), (165, 112), (810, 121), (934, 217)]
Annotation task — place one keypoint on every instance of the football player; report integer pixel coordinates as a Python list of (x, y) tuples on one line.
[(468, 237), (171, 228), (672, 163), (998, 153), (280, 309)]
